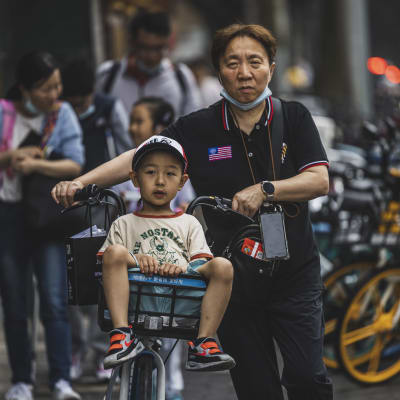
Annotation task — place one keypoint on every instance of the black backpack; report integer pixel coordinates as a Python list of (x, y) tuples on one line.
[(97, 133)]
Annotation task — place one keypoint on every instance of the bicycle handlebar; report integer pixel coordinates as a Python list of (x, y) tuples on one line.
[(92, 195), (86, 193), (219, 203)]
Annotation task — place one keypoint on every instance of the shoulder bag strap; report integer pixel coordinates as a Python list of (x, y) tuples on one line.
[(277, 127), (110, 139), (182, 84), (49, 125), (277, 135), (7, 123), (112, 74)]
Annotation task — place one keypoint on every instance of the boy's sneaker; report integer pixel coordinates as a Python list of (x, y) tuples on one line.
[(124, 346), (20, 391), (63, 391), (204, 354)]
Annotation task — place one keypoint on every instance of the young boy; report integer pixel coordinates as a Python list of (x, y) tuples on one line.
[(158, 169)]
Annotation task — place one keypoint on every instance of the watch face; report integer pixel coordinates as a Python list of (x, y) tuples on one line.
[(268, 187)]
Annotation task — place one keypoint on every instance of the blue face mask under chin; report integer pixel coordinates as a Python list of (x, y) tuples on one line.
[(31, 108), (247, 106)]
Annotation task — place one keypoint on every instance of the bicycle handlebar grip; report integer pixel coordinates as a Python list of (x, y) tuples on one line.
[(85, 193), (228, 202)]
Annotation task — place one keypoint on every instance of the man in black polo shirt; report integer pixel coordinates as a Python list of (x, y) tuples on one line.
[(230, 153)]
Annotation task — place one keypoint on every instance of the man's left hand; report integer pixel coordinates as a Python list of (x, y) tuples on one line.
[(249, 200)]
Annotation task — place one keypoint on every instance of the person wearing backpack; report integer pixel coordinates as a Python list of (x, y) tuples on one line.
[(147, 70), (104, 125), (103, 119)]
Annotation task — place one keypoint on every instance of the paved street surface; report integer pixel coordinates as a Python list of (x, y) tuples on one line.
[(199, 386)]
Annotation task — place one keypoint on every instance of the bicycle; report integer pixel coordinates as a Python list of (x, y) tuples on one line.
[(346, 221), (368, 331), (367, 339), (143, 377), (367, 342)]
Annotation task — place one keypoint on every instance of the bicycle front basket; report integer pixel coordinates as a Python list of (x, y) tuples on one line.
[(161, 306)]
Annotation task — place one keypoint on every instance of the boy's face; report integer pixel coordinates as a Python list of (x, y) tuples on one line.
[(141, 124), (159, 178)]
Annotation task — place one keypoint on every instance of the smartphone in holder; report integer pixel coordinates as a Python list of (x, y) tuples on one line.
[(273, 234)]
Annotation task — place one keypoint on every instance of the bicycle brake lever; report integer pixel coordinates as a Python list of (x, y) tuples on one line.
[(91, 201), (221, 205)]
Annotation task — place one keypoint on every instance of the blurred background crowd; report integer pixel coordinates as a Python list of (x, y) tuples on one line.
[(323, 46), (127, 76)]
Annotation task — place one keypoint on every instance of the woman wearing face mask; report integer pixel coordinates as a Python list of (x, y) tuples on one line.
[(231, 153), (33, 126)]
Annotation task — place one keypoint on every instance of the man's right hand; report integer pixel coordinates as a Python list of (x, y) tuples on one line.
[(63, 193)]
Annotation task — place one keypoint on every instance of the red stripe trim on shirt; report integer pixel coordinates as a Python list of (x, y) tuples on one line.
[(202, 255), (269, 111), (224, 116), (314, 164), (138, 214)]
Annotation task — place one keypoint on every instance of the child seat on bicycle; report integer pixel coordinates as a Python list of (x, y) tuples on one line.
[(160, 241)]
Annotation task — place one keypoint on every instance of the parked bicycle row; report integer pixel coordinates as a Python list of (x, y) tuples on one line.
[(357, 226)]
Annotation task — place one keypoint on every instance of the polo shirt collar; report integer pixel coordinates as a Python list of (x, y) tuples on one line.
[(227, 120)]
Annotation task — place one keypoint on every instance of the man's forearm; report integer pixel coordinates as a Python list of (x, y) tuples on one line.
[(111, 173), (305, 186)]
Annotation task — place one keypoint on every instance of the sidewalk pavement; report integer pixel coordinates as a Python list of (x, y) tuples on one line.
[(198, 386)]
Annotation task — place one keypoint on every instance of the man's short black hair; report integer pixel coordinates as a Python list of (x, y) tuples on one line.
[(152, 22), (78, 78)]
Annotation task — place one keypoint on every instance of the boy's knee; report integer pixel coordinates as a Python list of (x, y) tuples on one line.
[(222, 268), (114, 253)]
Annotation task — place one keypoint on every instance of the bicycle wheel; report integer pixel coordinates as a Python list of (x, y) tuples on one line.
[(339, 284), (142, 382), (368, 332)]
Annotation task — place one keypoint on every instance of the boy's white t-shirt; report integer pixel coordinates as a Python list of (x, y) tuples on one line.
[(174, 239)]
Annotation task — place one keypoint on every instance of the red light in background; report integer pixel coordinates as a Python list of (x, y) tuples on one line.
[(377, 65), (393, 74)]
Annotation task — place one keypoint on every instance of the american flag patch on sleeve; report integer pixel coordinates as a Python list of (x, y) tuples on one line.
[(219, 153)]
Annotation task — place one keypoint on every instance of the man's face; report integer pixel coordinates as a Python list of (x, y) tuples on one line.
[(150, 48), (245, 69)]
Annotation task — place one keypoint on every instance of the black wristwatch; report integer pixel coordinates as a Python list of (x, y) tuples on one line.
[(268, 189)]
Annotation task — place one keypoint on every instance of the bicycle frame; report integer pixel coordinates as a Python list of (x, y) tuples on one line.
[(128, 382), (147, 334)]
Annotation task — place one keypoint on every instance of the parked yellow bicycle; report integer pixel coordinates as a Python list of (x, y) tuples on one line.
[(368, 340)]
